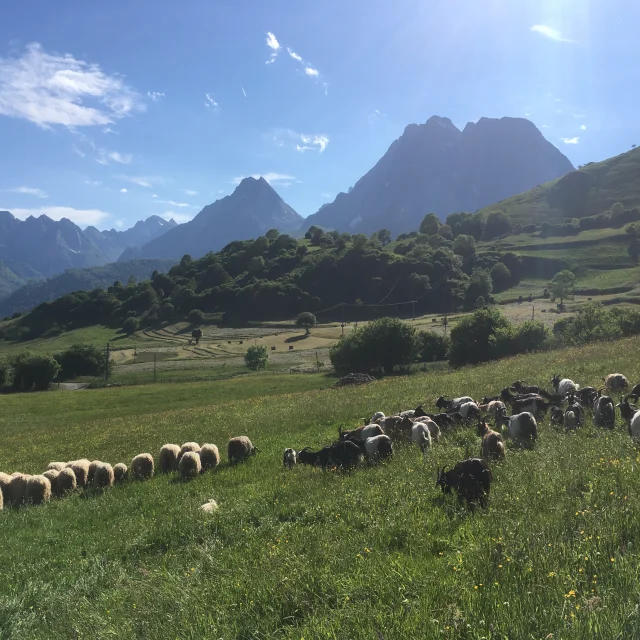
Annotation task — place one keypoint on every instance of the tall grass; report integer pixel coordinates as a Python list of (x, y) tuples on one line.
[(378, 553)]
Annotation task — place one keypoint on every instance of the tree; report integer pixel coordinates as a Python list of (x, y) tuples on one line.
[(479, 285), (562, 285), (130, 326), (431, 346), (196, 316), (311, 231), (465, 246), (634, 242), (196, 335), (616, 210), (272, 234), (256, 357), (445, 232), (306, 320), (470, 338), (383, 236), (256, 265), (498, 224), (31, 371), (166, 312), (430, 224), (500, 276), (81, 360)]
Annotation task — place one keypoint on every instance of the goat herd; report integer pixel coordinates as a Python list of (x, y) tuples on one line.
[(471, 478)]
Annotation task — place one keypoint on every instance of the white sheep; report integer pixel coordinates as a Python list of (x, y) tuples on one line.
[(421, 436), (190, 465), (58, 466), (209, 456), (38, 490), (66, 482), (142, 466), (52, 476), (210, 506), (289, 458), (18, 488), (104, 476), (188, 446), (93, 465), (120, 472), (168, 458), (81, 470), (5, 481)]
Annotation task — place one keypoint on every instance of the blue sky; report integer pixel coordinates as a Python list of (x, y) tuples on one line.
[(114, 111)]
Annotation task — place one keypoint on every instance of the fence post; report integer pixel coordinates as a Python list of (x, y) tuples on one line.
[(155, 366), (106, 368)]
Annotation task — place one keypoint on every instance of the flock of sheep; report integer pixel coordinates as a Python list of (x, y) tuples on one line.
[(568, 406), (62, 478)]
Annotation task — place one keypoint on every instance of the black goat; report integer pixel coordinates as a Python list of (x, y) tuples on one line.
[(522, 387), (470, 478), (604, 412), (345, 454), (532, 404)]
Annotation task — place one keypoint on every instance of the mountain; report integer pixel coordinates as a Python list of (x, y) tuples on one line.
[(250, 211), (41, 247), (592, 190), (436, 167), (33, 293)]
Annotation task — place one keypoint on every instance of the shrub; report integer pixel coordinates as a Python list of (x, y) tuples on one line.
[(196, 316), (166, 312), (130, 326), (5, 371), (306, 320), (31, 371), (470, 338), (594, 323), (256, 357), (81, 360), (386, 343), (480, 284), (431, 346), (522, 338), (500, 277)]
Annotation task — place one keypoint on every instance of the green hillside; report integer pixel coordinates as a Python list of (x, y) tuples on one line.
[(613, 180), (9, 281)]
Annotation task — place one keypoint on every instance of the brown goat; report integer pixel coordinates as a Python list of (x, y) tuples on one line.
[(492, 447)]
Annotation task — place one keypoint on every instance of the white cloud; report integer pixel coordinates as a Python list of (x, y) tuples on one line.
[(30, 191), (119, 224), (274, 45), (294, 55), (123, 190), (49, 90), (107, 157), (311, 72), (550, 32), (156, 96), (271, 178), (78, 152), (575, 140), (81, 217), (190, 192), (546, 126), (375, 115), (243, 91), (313, 143), (301, 142), (180, 218), (583, 127), (155, 195), (210, 102), (326, 196), (141, 181), (180, 205), (93, 183), (578, 116)]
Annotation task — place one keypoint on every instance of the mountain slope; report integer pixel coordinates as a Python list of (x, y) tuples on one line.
[(251, 210), (9, 281), (33, 293), (595, 188), (436, 167)]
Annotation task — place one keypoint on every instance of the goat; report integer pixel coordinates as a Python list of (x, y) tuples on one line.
[(492, 407), (557, 415), (534, 404), (470, 478), (587, 396), (452, 405), (289, 458), (522, 387), (469, 410), (361, 433), (378, 447), (577, 410), (616, 382), (632, 415), (421, 436), (345, 453), (443, 420), (563, 385), (634, 393), (313, 458), (492, 442), (604, 413), (521, 426), (401, 430)]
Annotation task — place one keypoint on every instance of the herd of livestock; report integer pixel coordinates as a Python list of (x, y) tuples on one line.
[(567, 406)]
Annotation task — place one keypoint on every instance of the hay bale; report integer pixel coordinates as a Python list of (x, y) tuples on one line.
[(120, 472), (168, 458), (66, 482), (38, 490), (190, 465), (104, 476), (209, 456), (142, 466)]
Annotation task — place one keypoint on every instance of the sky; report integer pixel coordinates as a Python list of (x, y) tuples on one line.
[(114, 111)]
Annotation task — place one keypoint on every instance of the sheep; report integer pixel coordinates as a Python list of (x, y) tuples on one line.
[(616, 382), (492, 407), (410, 413), (57, 466), (188, 446), (168, 458), (80, 469), (492, 446), (66, 482), (52, 475), (38, 490), (563, 385), (210, 506), (190, 465), (5, 481), (93, 465), (1, 501), (289, 458), (361, 433), (239, 449), (209, 456), (142, 466), (470, 478), (104, 476), (604, 414), (18, 488), (521, 426), (378, 447), (120, 472), (469, 410), (421, 436)]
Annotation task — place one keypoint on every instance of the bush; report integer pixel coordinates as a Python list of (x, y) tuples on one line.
[(500, 277), (256, 357), (385, 343), (196, 316), (32, 371), (594, 323), (81, 360), (5, 371), (166, 312), (471, 337), (522, 338), (130, 326), (431, 346)]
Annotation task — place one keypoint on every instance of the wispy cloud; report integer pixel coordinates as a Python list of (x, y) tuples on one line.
[(243, 91), (30, 191), (107, 157), (313, 143), (294, 55), (375, 115), (119, 224), (155, 195), (123, 190), (583, 127), (93, 183), (327, 196), (300, 141), (141, 181), (172, 203), (180, 218), (190, 192), (156, 96), (310, 71), (575, 140), (82, 217), (211, 103), (550, 32), (271, 178), (50, 89), (274, 45)]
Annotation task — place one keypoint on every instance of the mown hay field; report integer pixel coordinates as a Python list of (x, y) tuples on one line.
[(378, 553)]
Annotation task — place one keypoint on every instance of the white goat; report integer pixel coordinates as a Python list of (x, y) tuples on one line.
[(421, 436), (563, 385), (378, 447)]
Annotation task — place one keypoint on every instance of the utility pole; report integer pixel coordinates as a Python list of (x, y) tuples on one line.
[(533, 311), (107, 357), (342, 322), (444, 322)]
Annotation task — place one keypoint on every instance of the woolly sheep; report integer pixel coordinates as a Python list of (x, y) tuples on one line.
[(168, 458), (378, 415), (57, 466), (66, 482), (18, 489), (239, 449), (93, 466), (209, 456), (210, 506), (38, 490), (120, 472), (81, 470), (52, 475), (104, 476), (189, 465), (5, 481), (188, 446), (616, 382), (289, 458), (1, 501), (142, 466)]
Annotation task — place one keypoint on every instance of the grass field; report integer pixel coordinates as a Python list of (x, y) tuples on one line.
[(305, 554)]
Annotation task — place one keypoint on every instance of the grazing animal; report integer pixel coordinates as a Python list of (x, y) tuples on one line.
[(18, 489), (168, 458), (563, 386), (444, 420), (38, 490), (635, 393), (470, 478), (557, 415), (378, 447), (5, 481), (570, 420), (492, 407), (469, 410), (58, 466), (306, 456), (104, 476), (522, 387), (587, 396), (361, 433), (521, 426), (631, 414), (93, 465), (209, 456), (188, 446), (421, 436), (604, 412), (401, 430), (51, 475), (345, 454), (492, 447), (378, 415), (534, 404), (239, 449), (189, 466), (120, 472), (289, 458), (452, 405), (142, 466), (210, 506), (66, 482), (81, 470), (616, 382)]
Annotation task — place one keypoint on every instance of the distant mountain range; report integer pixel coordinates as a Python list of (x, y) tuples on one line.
[(435, 167), (250, 211)]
